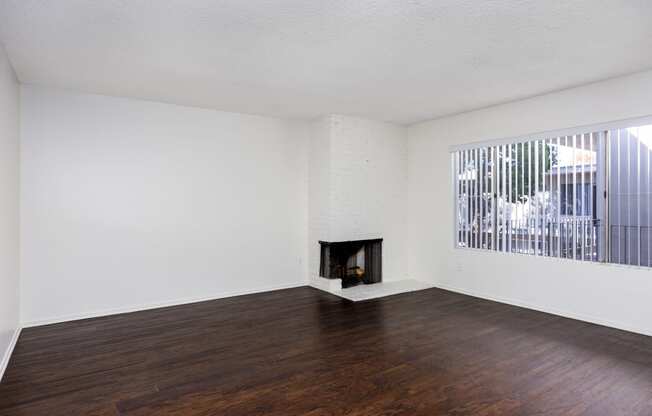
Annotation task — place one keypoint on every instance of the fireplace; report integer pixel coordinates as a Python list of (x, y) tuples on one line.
[(354, 262)]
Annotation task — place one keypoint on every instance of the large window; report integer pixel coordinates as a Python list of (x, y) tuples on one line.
[(583, 196)]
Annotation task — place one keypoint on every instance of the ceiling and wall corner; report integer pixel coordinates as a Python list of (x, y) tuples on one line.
[(390, 60)]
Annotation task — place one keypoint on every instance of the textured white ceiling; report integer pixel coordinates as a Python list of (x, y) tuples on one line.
[(394, 60)]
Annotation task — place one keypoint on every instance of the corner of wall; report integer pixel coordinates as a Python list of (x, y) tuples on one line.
[(4, 363), (9, 209)]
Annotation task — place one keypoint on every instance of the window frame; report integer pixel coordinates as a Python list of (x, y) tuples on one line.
[(547, 135)]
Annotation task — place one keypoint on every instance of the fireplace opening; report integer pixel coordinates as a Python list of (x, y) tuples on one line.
[(354, 262)]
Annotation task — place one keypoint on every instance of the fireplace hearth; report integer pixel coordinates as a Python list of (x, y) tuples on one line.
[(354, 262)]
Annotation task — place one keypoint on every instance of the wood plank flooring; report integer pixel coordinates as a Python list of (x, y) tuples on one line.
[(304, 352)]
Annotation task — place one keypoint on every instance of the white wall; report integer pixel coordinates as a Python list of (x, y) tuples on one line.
[(612, 295), (129, 204), (319, 194), (358, 187), (9, 208)]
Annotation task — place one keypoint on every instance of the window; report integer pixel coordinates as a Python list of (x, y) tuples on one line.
[(583, 196)]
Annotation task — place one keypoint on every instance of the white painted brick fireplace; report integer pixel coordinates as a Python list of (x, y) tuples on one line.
[(358, 190)]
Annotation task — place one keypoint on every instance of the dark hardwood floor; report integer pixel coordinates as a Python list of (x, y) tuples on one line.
[(304, 352)]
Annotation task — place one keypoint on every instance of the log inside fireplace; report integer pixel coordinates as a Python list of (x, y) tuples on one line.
[(354, 262)]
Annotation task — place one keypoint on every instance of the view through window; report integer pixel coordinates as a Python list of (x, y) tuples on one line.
[(584, 196)]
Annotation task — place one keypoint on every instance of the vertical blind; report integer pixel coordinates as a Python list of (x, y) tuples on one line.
[(583, 196)]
